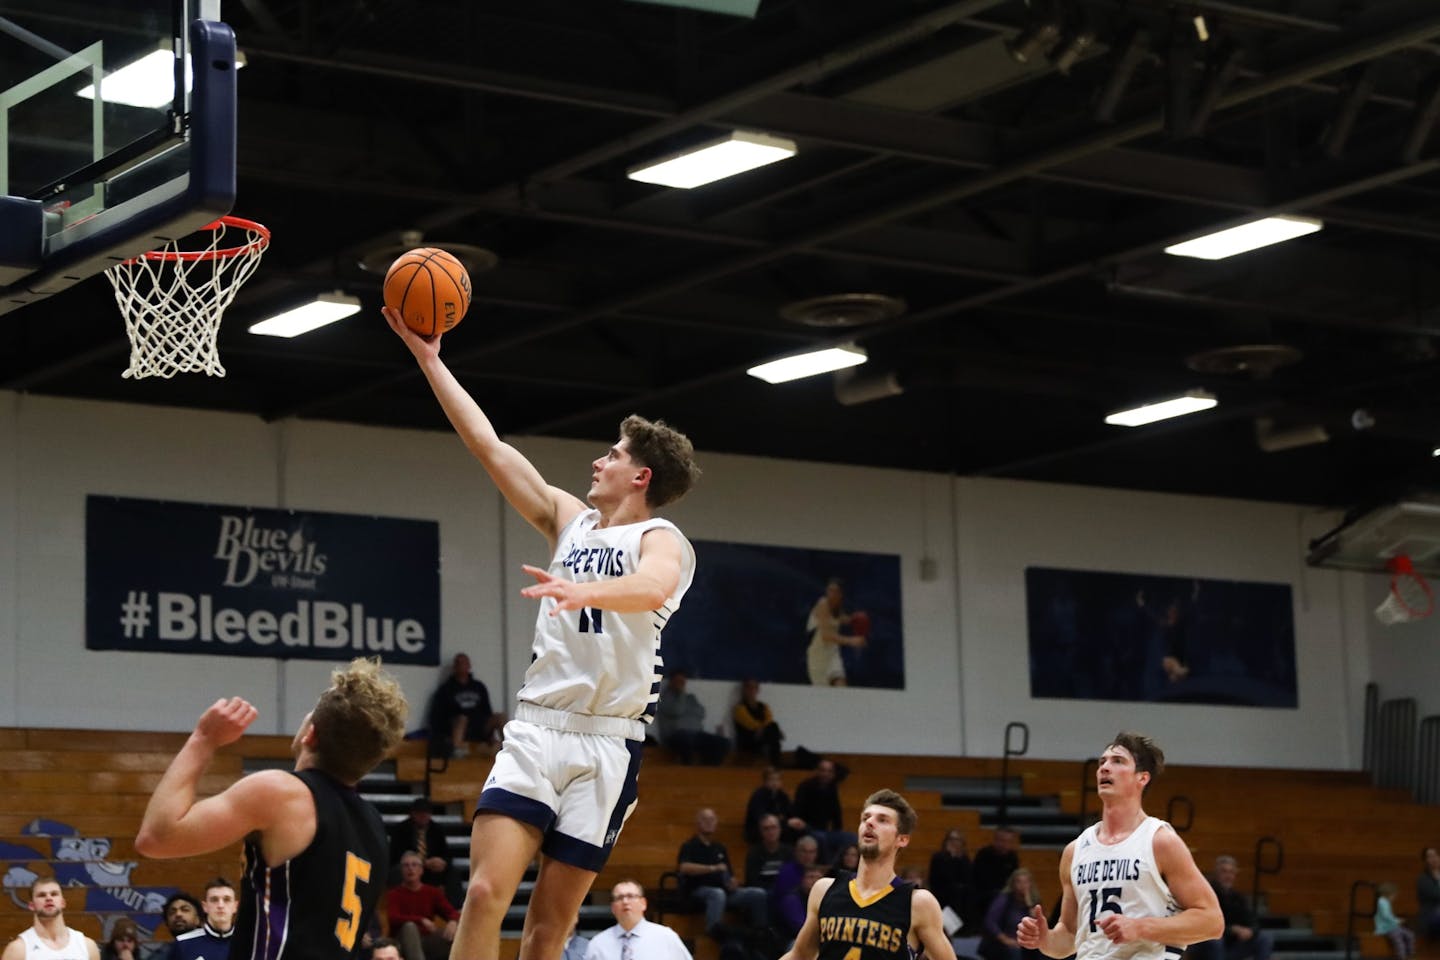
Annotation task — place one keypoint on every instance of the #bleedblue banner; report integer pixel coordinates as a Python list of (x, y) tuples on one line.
[(1120, 636), (240, 581)]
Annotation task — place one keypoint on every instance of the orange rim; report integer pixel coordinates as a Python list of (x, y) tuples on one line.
[(261, 241)]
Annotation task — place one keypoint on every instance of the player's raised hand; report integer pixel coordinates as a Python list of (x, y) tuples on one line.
[(225, 721), (420, 346), (565, 593), (1033, 928)]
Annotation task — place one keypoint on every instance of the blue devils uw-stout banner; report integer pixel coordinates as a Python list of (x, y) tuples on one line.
[(241, 581)]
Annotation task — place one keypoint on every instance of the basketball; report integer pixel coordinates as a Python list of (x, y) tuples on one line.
[(860, 623), (429, 288)]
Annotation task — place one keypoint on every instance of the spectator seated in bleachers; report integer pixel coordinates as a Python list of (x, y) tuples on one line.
[(461, 714), (123, 942), (418, 914), (680, 724), (1243, 940), (790, 908), (770, 797), (419, 832), (806, 855), (950, 878), (756, 731), (766, 858), (1391, 927), (1427, 892), (707, 877), (992, 867), (817, 803), (846, 863), (181, 914), (1004, 914)]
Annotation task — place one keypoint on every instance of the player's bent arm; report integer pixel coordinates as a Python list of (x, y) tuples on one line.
[(92, 948), (928, 924), (14, 950), (1034, 932), (655, 579), (1200, 917), (807, 941), (176, 826)]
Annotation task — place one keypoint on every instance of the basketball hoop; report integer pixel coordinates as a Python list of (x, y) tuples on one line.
[(1410, 597), (173, 298)]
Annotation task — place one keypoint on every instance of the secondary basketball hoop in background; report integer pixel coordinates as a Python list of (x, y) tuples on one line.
[(173, 298), (1410, 596)]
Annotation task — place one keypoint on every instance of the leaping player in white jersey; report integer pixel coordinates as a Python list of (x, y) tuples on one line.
[(1131, 890), (565, 779)]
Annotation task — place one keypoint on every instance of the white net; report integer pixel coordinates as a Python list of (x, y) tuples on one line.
[(1409, 599), (173, 298)]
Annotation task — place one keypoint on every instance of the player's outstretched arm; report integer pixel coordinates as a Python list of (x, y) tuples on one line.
[(544, 507), (807, 941), (655, 578), (177, 825), (1034, 931), (928, 924)]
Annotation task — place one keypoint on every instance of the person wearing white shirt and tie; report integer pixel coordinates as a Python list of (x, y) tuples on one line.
[(633, 937)]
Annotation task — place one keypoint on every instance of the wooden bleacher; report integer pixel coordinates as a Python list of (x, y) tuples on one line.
[(1335, 828)]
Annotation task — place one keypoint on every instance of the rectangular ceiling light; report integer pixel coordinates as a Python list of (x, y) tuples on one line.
[(1192, 402), (715, 160), (324, 309), (1246, 237), (808, 364), (147, 82)]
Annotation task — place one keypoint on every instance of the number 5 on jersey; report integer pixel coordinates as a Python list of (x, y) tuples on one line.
[(357, 871), (1107, 898)]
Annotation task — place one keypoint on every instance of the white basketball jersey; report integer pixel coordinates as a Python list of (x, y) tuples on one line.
[(74, 948), (599, 662), (1119, 878)]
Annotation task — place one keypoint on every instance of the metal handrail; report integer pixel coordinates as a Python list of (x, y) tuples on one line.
[(1261, 867), (1189, 806), (1350, 920), (1004, 816)]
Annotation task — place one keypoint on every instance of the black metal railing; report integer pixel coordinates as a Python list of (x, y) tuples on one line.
[(1261, 867), (1003, 819), (1395, 744), (1427, 762), (1183, 803), (1367, 739), (1355, 889)]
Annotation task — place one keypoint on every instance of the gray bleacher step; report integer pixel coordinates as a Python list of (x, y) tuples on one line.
[(590, 916), (979, 785), (1021, 815), (446, 820), (1286, 934)]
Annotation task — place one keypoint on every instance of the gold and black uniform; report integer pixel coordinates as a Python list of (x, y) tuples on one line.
[(873, 928)]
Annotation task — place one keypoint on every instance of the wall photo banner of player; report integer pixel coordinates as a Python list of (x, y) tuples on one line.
[(1138, 637), (790, 615), (169, 577)]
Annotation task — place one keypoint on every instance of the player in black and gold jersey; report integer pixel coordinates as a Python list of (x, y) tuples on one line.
[(874, 916), (315, 851)]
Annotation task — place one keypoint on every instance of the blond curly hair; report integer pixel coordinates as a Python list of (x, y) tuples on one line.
[(358, 720)]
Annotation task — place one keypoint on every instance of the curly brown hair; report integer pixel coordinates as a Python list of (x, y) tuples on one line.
[(1149, 758), (358, 720), (667, 452)]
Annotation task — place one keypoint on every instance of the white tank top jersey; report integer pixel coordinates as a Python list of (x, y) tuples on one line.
[(1119, 878), (599, 662), (74, 948)]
